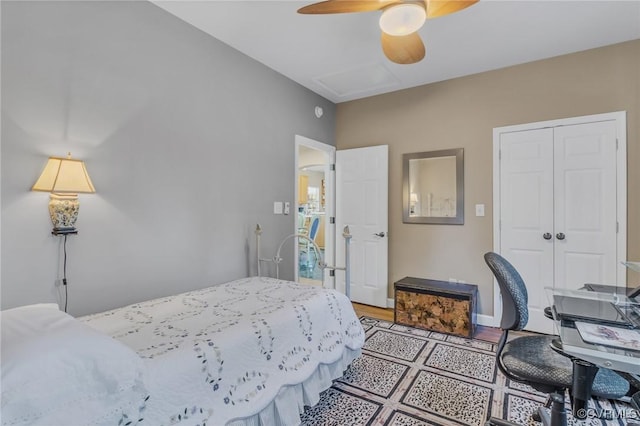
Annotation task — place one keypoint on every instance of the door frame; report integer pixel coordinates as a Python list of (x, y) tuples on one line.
[(330, 205), (620, 117)]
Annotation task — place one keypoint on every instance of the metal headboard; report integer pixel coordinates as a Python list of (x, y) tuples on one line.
[(320, 258)]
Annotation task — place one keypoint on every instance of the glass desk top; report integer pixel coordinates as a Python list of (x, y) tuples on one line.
[(634, 266), (602, 328)]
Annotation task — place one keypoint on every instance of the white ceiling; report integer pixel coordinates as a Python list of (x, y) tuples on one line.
[(339, 56)]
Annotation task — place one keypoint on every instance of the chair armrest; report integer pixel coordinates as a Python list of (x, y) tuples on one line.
[(548, 313)]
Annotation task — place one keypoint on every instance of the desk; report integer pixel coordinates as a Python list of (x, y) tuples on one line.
[(587, 357)]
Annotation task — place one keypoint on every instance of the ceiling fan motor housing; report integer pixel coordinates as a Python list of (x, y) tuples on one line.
[(403, 19)]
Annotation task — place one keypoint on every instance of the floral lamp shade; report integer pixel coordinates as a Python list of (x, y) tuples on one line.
[(64, 178)]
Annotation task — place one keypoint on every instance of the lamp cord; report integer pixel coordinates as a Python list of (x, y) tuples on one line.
[(64, 275)]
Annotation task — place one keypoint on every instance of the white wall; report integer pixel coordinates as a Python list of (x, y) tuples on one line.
[(187, 141)]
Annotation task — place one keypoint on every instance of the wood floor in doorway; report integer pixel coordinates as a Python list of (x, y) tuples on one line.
[(489, 334)]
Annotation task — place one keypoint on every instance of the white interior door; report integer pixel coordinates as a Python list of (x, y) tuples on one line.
[(362, 183), (585, 204), (526, 214)]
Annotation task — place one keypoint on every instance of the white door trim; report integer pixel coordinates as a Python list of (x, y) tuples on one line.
[(330, 205), (620, 117)]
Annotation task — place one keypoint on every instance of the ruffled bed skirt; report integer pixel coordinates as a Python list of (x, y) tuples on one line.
[(287, 406)]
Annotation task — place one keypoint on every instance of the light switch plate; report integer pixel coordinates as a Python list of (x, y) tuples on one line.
[(277, 207), (479, 209), (287, 207)]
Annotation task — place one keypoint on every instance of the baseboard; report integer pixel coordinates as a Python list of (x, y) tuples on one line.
[(486, 320), (391, 303)]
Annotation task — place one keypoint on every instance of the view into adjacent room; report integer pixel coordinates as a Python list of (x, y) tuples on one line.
[(311, 212)]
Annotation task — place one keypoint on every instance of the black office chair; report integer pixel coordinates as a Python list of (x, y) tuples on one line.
[(530, 359)]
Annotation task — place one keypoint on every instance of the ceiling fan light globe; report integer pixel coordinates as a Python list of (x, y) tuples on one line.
[(403, 19)]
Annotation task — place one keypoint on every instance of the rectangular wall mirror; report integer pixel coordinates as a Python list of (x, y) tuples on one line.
[(433, 187)]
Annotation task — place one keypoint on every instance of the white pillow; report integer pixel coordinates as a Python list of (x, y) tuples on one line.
[(57, 370)]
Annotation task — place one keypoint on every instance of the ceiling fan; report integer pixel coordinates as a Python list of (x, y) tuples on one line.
[(400, 21)]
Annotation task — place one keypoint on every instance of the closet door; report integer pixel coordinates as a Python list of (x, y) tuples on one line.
[(585, 204), (526, 214), (558, 209)]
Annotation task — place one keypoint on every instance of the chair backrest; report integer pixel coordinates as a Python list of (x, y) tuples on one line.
[(515, 313), (314, 228), (301, 220)]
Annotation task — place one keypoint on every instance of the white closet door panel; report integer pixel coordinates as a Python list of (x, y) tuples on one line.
[(585, 204), (526, 205)]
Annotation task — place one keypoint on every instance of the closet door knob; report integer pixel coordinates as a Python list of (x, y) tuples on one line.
[(560, 236), (547, 236)]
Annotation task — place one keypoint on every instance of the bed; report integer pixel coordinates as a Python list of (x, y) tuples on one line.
[(248, 352)]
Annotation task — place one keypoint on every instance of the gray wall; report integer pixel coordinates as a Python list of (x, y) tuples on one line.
[(187, 141)]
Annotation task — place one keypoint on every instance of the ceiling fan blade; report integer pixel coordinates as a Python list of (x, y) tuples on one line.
[(404, 50), (436, 8), (345, 6)]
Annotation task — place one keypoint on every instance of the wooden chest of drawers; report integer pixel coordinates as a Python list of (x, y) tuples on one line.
[(440, 306)]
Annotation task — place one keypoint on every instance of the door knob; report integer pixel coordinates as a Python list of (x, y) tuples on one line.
[(560, 236), (379, 234), (547, 236)]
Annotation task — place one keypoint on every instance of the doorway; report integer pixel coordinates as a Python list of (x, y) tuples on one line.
[(314, 210)]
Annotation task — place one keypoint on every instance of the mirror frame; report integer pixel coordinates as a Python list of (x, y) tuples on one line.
[(458, 219)]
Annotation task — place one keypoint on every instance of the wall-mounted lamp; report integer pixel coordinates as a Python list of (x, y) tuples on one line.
[(64, 178)]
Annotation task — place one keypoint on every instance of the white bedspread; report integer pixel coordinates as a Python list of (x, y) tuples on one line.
[(223, 353)]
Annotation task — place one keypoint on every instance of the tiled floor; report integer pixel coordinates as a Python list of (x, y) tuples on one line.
[(412, 377)]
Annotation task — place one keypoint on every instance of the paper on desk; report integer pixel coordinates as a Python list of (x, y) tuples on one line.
[(609, 336)]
